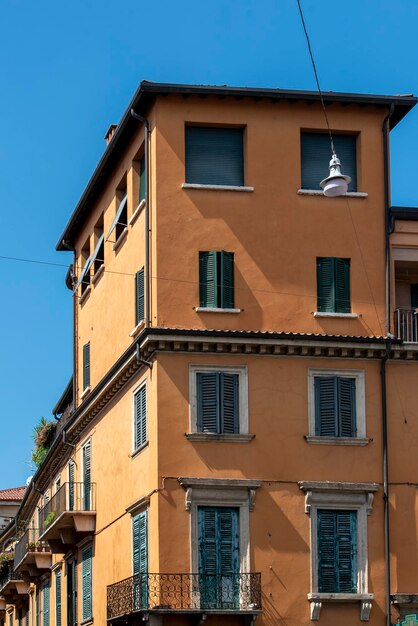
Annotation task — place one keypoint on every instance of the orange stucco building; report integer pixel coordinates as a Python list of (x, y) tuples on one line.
[(238, 439)]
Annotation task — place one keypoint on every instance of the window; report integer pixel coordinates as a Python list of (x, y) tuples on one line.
[(338, 513), (86, 366), (45, 593), (336, 406), (86, 567), (19, 616), (139, 296), (10, 618), (214, 156), (85, 261), (120, 221), (316, 155), (140, 559), (216, 279), (38, 604), (142, 180), (71, 593), (140, 417), (58, 616), (71, 479), (97, 259), (219, 402), (333, 285), (87, 476)]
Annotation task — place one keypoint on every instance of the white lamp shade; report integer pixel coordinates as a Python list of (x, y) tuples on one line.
[(336, 184)]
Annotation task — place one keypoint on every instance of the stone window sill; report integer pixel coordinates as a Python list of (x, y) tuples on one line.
[(85, 295), (207, 309), (237, 438), (85, 392), (98, 274), (139, 450), (337, 441), (137, 212), (137, 329), (120, 239), (317, 599), (318, 192), (217, 187), (337, 315)]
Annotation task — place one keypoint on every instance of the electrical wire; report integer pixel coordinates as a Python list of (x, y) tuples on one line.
[(316, 74)]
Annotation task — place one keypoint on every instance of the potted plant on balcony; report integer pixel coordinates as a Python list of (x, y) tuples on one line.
[(6, 559), (43, 436), (49, 519)]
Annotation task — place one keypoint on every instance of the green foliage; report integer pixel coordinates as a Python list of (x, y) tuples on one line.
[(43, 435), (50, 518)]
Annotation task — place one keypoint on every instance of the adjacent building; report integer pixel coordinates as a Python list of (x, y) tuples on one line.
[(10, 500), (238, 440)]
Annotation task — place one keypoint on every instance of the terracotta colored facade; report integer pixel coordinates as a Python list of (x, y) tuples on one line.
[(275, 478)]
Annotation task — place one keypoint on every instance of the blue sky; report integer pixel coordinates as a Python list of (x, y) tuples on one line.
[(69, 69)]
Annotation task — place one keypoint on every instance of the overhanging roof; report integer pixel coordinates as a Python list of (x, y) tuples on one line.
[(148, 91)]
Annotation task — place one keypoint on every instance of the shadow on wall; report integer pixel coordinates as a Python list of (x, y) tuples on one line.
[(404, 538)]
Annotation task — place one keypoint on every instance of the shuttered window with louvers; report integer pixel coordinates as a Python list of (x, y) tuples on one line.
[(86, 365), (87, 583), (337, 551), (216, 279), (335, 406), (214, 156), (142, 180), (58, 601), (139, 296), (316, 155), (46, 607), (140, 417), (217, 402), (87, 476), (333, 285)]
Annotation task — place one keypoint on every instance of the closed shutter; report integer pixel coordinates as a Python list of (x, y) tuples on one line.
[(325, 284), (337, 551), (140, 543), (142, 180), (347, 407), (46, 604), (325, 406), (86, 365), (208, 408), (214, 156), (87, 583), (316, 155), (58, 618), (227, 279), (139, 296), (71, 593), (208, 283), (38, 606), (342, 285), (71, 476), (140, 410), (87, 475), (229, 400)]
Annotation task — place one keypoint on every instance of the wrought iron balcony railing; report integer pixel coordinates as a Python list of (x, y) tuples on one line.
[(8, 574), (184, 592), (70, 497), (29, 543), (406, 325)]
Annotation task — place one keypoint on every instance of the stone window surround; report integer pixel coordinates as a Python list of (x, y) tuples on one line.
[(227, 492), (340, 496), (359, 376), (242, 372)]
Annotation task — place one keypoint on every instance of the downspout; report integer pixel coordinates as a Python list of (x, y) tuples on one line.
[(72, 249), (145, 122), (386, 480), (385, 130)]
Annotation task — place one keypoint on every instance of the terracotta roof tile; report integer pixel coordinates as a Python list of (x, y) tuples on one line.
[(15, 493)]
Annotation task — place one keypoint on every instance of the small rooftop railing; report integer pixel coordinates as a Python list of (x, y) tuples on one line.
[(406, 325)]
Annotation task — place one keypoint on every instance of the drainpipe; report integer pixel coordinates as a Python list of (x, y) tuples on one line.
[(386, 480), (72, 249), (385, 130), (145, 122)]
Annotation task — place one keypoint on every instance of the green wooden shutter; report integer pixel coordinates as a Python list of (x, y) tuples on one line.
[(337, 551), (87, 475), (87, 582), (347, 407), (140, 543), (208, 407), (325, 388), (139, 296), (342, 285), (214, 156), (325, 284), (227, 279), (71, 475), (229, 402), (71, 593), (58, 617), (46, 604), (208, 283), (86, 365), (142, 180), (316, 155), (140, 410)]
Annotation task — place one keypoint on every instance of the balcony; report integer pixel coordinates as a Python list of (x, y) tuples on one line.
[(406, 325), (238, 594), (12, 585), (406, 299), (69, 516), (32, 557)]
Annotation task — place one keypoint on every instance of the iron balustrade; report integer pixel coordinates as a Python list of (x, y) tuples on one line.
[(29, 542), (70, 496), (184, 592), (7, 574), (406, 325)]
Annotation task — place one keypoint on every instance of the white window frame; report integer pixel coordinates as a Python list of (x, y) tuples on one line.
[(242, 372), (359, 377), (340, 497), (143, 383)]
